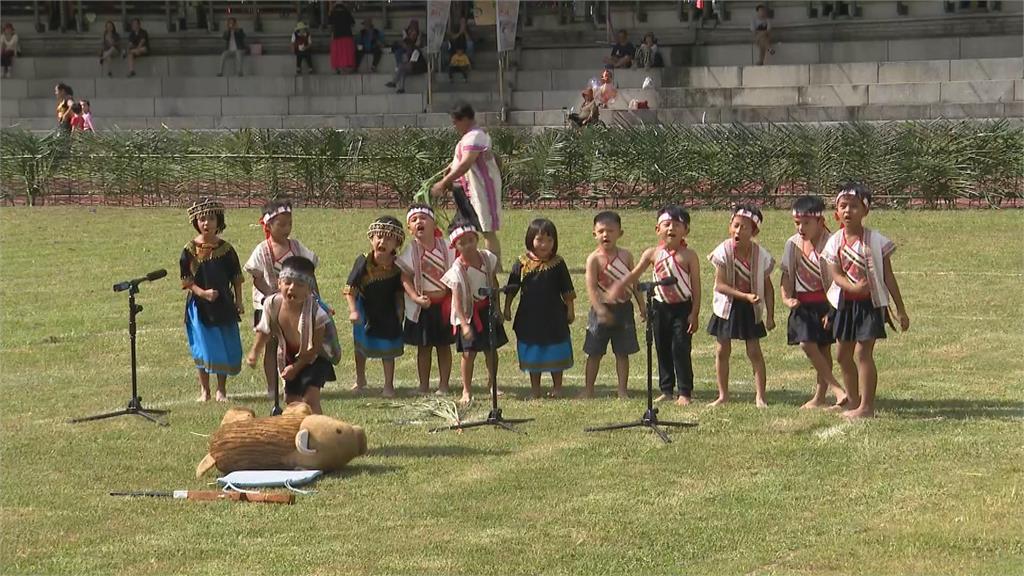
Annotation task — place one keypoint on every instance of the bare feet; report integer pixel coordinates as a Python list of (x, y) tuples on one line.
[(814, 403), (466, 399), (204, 395), (719, 401), (536, 394), (222, 395), (586, 394), (358, 388), (443, 391), (760, 403), (664, 398), (858, 414), (555, 393), (683, 401), (389, 392), (623, 395)]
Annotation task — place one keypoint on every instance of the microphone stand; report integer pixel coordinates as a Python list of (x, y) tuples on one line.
[(135, 403), (650, 417), (494, 417)]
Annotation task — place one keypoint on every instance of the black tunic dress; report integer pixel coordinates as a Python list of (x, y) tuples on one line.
[(541, 317)]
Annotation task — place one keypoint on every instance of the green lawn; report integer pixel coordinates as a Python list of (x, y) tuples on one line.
[(934, 485)]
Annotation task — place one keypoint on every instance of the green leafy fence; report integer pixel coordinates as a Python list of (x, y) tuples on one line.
[(929, 164)]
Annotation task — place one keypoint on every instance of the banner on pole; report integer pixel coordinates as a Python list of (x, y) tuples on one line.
[(508, 23), (438, 13)]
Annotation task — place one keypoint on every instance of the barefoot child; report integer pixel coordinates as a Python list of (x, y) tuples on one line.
[(472, 270), (545, 310), (427, 316), (211, 274), (293, 318), (863, 286), (742, 283), (804, 281), (265, 263), (608, 319), (676, 307), (374, 294)]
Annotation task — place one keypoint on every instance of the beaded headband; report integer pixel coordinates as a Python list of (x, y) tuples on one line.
[(812, 214), (291, 274), (386, 229), (204, 207), (748, 214), (266, 218), (460, 232)]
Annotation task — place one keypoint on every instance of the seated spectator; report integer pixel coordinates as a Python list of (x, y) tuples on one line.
[(413, 63), (622, 52), (8, 48), (459, 39), (459, 63), (589, 114), (234, 46), (647, 54), (411, 35), (111, 46), (87, 115), (302, 42), (370, 42), (761, 26), (138, 45), (606, 90)]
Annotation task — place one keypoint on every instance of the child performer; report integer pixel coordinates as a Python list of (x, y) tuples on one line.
[(374, 294), (472, 270), (863, 286), (742, 282), (427, 316), (264, 264), (804, 281), (546, 308), (211, 274), (293, 318), (676, 306), (608, 319)]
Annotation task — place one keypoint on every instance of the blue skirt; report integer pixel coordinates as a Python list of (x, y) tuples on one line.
[(371, 346), (537, 358), (215, 349)]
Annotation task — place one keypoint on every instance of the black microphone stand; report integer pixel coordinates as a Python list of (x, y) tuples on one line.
[(135, 403), (650, 417), (494, 417)]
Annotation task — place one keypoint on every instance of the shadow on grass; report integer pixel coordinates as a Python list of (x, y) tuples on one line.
[(361, 469), (433, 452), (953, 409)]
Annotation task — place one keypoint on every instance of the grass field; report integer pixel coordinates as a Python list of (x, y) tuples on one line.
[(932, 486)]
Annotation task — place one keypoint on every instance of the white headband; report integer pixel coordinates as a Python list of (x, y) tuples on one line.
[(748, 214), (814, 214), (419, 210), (852, 192), (459, 233), (665, 216), (280, 210), (290, 274)]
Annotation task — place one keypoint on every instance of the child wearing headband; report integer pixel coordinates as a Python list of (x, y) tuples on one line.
[(294, 319), (264, 265), (211, 274), (744, 299), (428, 301), (374, 294), (863, 287), (676, 306), (805, 278), (474, 269)]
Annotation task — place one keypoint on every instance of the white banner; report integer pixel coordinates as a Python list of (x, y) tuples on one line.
[(508, 23), (438, 14)]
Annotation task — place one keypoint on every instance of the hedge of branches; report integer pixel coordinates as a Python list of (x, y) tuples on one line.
[(936, 163)]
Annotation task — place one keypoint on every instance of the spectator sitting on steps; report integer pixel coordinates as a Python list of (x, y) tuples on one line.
[(234, 46), (647, 54), (459, 63), (606, 90), (761, 26), (138, 45), (370, 42), (413, 62), (622, 52), (111, 46), (589, 114)]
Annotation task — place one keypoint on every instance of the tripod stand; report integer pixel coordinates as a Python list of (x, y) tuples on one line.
[(494, 417), (135, 403), (650, 417)]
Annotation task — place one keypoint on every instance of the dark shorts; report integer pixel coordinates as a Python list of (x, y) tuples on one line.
[(621, 333), (481, 339), (741, 324), (857, 321), (806, 324), (316, 374), (433, 328)]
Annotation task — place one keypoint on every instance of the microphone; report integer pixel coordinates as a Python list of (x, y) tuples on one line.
[(648, 286), (154, 275)]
